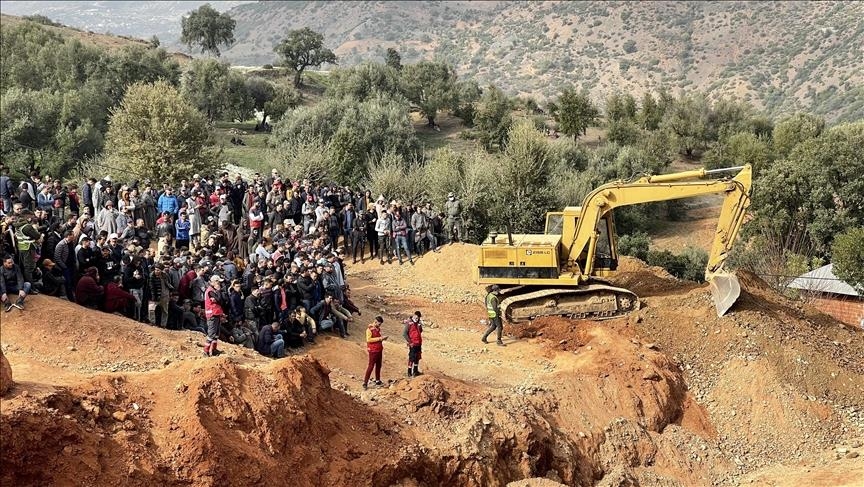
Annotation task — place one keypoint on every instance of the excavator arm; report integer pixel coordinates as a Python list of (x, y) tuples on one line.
[(667, 187)]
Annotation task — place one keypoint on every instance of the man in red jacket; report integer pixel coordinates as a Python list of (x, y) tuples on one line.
[(117, 300), (214, 312), (375, 346), (413, 334)]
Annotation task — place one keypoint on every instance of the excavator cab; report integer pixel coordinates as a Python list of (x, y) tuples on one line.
[(605, 252)]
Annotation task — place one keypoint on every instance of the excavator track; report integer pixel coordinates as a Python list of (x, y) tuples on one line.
[(591, 301)]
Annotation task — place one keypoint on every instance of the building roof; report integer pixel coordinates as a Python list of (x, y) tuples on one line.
[(823, 280)]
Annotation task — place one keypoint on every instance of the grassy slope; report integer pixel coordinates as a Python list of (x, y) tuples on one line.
[(106, 41)]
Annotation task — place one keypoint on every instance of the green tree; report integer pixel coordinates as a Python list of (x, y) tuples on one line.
[(847, 255), (430, 85), (262, 92), (739, 149), (155, 133), (524, 175), (56, 94), (574, 112), (687, 119), (207, 29), (623, 132), (285, 98), (364, 81), (353, 132), (216, 90), (393, 59), (302, 49), (793, 130), (465, 96), (650, 113), (620, 107), (493, 119), (817, 192)]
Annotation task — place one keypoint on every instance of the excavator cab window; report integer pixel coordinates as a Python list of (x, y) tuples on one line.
[(604, 258), (554, 223)]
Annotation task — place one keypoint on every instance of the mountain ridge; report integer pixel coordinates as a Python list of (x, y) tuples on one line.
[(782, 57)]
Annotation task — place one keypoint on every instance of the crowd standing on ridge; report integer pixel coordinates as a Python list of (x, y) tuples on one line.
[(259, 262)]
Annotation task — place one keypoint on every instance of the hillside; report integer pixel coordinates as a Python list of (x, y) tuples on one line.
[(135, 19), (106, 41), (781, 56)]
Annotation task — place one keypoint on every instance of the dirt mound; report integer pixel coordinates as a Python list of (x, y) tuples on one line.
[(445, 276), (645, 280), (5, 374), (210, 423), (97, 342)]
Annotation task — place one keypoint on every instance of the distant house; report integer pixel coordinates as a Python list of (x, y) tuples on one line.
[(831, 295)]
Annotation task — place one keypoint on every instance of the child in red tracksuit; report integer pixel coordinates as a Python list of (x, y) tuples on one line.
[(375, 346), (413, 335)]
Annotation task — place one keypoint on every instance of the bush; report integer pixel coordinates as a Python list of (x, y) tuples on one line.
[(689, 265), (267, 66), (634, 245), (630, 46)]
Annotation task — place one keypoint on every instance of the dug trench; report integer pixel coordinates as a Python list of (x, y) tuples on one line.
[(670, 395)]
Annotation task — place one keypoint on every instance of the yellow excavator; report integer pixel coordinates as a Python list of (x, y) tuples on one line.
[(561, 271)]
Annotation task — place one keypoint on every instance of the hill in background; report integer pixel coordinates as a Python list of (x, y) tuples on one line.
[(782, 56)]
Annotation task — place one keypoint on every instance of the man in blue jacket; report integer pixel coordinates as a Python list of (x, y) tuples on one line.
[(167, 202)]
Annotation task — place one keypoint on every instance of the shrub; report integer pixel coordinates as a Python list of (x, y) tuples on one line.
[(634, 245)]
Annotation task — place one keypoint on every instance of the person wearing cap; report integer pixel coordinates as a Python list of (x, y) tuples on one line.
[(413, 335), (375, 347), (493, 312), (214, 311)]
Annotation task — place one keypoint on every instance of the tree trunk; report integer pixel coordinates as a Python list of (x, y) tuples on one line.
[(297, 74), (431, 120)]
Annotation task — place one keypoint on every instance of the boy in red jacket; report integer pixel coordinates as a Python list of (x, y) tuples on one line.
[(375, 346), (413, 334)]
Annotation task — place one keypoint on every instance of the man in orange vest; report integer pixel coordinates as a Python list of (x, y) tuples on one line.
[(215, 312)]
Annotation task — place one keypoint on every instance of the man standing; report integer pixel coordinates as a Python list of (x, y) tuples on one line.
[(413, 335), (375, 347), (454, 217), (494, 315), (214, 311)]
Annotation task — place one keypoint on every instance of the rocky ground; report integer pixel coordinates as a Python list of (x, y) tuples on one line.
[(769, 395)]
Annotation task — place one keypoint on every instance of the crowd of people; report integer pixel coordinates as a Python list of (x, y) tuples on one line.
[(258, 262)]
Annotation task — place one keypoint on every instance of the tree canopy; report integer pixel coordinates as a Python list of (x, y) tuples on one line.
[(156, 133), (430, 85), (574, 112), (207, 29), (302, 49)]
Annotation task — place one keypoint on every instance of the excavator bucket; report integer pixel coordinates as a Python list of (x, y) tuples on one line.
[(725, 290)]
